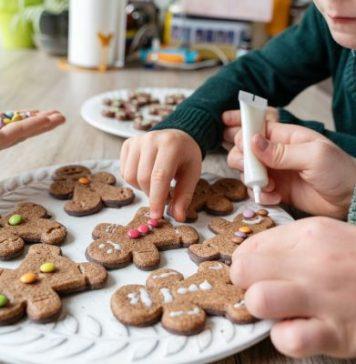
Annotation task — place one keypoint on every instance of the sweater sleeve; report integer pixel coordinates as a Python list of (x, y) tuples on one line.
[(345, 141), (283, 68)]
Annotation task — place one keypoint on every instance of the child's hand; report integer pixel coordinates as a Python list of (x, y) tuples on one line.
[(306, 170), (18, 131), (150, 162), (232, 122), (305, 274)]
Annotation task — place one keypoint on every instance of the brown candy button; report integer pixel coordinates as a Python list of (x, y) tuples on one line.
[(262, 212)]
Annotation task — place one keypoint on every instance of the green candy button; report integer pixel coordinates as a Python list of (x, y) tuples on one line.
[(15, 220), (3, 300)]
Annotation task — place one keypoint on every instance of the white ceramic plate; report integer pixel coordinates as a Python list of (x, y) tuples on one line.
[(91, 110), (87, 330)]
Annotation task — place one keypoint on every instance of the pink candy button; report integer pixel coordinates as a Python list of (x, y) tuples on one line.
[(143, 229), (249, 214), (133, 234), (152, 222)]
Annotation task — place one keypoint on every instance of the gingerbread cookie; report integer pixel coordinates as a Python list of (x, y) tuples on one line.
[(33, 287), (181, 304), (215, 199), (29, 223), (88, 192), (160, 110), (230, 235), (139, 241), (174, 99)]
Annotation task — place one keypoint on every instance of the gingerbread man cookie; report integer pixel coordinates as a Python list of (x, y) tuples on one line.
[(230, 235), (215, 199), (33, 287), (88, 193), (29, 223), (181, 304), (139, 241)]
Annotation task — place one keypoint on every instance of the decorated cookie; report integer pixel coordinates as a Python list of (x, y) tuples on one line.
[(140, 123), (215, 199), (32, 289), (174, 99), (88, 192), (230, 235), (29, 223), (160, 110), (141, 98), (181, 304), (139, 241)]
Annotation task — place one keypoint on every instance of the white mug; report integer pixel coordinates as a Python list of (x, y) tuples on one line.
[(88, 19)]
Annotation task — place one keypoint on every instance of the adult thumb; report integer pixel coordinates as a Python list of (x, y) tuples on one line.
[(282, 156)]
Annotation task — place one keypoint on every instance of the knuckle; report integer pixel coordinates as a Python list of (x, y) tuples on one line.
[(130, 178), (143, 179), (159, 175), (279, 154)]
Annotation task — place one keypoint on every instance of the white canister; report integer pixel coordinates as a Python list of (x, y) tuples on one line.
[(88, 19)]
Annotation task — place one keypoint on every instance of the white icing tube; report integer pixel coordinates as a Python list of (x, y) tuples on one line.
[(253, 112)]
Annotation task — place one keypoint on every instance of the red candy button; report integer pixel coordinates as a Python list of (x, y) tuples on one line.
[(133, 234), (152, 222), (143, 229)]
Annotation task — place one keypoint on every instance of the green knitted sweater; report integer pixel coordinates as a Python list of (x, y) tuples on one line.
[(301, 56)]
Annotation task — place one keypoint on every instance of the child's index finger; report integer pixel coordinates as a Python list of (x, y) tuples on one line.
[(162, 174)]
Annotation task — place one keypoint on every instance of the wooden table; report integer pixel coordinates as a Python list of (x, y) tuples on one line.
[(32, 80)]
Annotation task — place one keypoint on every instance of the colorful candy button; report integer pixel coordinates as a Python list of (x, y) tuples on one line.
[(249, 214), (153, 223), (15, 220), (16, 117), (3, 300), (9, 114), (6, 121), (143, 229), (245, 229), (240, 234), (262, 212), (133, 234), (28, 278), (84, 180), (47, 267)]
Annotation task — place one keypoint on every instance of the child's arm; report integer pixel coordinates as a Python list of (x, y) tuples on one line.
[(18, 131), (282, 69)]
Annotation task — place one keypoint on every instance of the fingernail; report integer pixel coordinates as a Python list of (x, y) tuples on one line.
[(261, 142)]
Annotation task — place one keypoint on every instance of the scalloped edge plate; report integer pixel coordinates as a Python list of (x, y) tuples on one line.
[(87, 330)]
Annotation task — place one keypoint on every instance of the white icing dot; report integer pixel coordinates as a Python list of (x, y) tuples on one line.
[(240, 304), (167, 296), (116, 246), (164, 275), (101, 246), (216, 267), (256, 220), (193, 288), (182, 290), (109, 251), (133, 297), (194, 311), (145, 297), (205, 286)]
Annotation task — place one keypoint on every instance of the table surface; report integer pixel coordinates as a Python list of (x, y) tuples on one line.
[(31, 80)]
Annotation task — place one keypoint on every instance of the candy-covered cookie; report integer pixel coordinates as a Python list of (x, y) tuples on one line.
[(181, 304), (88, 193), (33, 288), (215, 199), (230, 235), (139, 241), (29, 223)]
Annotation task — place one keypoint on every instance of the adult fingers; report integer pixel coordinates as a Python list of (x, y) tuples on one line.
[(163, 172), (247, 269), (187, 178), (278, 300), (304, 337), (123, 155), (232, 118), (229, 134), (267, 198), (235, 159)]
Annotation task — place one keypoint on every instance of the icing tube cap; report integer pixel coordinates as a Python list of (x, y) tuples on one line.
[(257, 194)]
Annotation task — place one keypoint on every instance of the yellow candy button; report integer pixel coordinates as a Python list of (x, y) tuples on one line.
[(6, 121), (245, 229), (28, 278), (47, 267), (84, 181), (16, 117)]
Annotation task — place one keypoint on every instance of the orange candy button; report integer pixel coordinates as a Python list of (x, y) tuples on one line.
[(245, 229), (28, 278), (84, 180), (262, 212)]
